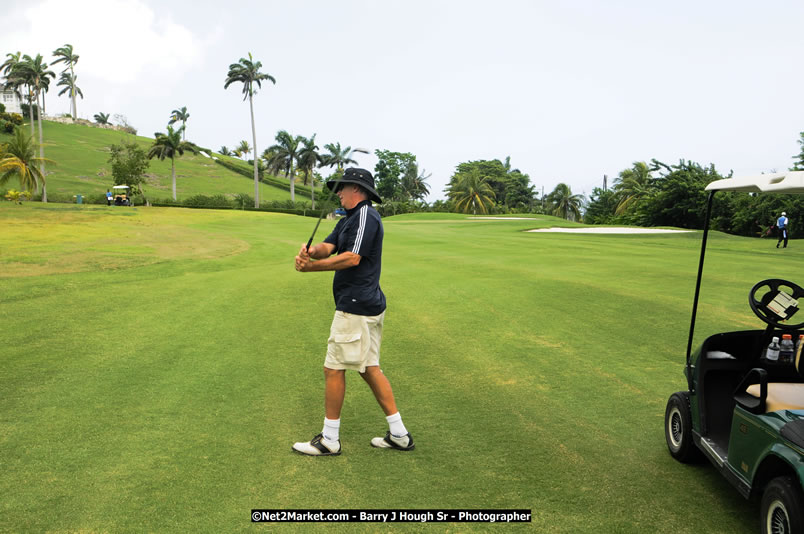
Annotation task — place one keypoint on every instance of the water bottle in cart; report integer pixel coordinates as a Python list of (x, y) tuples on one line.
[(772, 352), (786, 349)]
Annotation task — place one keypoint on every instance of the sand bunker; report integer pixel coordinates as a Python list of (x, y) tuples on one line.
[(611, 230)]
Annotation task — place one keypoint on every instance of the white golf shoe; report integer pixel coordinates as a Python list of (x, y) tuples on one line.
[(404, 443), (318, 446)]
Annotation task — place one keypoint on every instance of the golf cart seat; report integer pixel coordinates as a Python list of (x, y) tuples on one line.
[(781, 396)]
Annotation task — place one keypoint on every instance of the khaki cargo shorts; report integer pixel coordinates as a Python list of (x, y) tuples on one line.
[(354, 341)]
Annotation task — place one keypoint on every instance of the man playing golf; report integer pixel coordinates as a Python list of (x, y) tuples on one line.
[(354, 251)]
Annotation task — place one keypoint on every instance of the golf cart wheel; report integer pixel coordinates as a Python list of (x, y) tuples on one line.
[(782, 504), (678, 428)]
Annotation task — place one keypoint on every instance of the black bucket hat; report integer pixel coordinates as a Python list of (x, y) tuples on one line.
[(361, 177)]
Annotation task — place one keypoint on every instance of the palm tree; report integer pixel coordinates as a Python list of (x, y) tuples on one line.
[(68, 81), (180, 115), (283, 155), (471, 191), (101, 118), (34, 72), (170, 145), (565, 204), (632, 185), (308, 159), (15, 78), (247, 72), (243, 149), (65, 55), (224, 151), (414, 184), (339, 157), (18, 158)]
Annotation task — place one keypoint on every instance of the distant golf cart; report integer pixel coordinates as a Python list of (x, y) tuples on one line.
[(744, 405), (122, 195)]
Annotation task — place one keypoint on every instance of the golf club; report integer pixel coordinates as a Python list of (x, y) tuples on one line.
[(331, 192)]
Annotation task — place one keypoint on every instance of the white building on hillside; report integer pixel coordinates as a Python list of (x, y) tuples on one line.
[(10, 99)]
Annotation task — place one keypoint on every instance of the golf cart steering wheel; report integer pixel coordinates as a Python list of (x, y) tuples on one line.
[(774, 306)]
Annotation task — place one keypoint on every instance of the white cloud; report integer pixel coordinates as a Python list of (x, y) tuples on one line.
[(118, 41)]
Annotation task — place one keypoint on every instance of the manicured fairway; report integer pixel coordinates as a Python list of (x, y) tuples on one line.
[(157, 365)]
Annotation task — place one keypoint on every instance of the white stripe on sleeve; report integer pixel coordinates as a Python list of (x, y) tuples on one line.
[(360, 230)]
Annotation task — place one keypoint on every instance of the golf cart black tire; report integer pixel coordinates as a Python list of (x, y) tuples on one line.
[(678, 429), (782, 501)]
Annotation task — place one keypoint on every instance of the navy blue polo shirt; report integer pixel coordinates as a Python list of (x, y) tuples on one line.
[(357, 289)]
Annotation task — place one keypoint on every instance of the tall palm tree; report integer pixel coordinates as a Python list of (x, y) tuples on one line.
[(339, 157), (632, 185), (247, 72), (35, 72), (18, 158), (65, 55), (180, 115), (101, 118), (283, 156), (471, 191), (170, 145), (68, 81), (308, 159), (565, 204)]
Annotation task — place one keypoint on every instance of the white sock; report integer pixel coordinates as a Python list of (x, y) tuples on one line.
[(332, 429), (395, 423)]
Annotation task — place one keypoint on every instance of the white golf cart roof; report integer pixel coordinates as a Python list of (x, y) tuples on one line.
[(121, 187), (780, 182)]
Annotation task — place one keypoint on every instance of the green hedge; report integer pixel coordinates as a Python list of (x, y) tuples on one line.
[(300, 189)]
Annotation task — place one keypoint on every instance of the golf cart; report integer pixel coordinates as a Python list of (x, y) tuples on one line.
[(122, 195), (743, 409)]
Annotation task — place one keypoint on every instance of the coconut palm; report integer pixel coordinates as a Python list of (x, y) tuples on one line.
[(471, 191), (68, 81), (180, 115), (101, 118), (170, 145), (247, 72), (308, 159), (224, 151), (283, 155), (414, 184), (65, 55), (565, 204), (18, 159), (632, 185), (34, 71)]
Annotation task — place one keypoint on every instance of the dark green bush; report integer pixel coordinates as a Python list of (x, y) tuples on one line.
[(214, 201), (6, 126)]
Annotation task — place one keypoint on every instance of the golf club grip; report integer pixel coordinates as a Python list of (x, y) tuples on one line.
[(310, 242)]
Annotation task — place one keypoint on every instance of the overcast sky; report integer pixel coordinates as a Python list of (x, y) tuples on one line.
[(571, 90)]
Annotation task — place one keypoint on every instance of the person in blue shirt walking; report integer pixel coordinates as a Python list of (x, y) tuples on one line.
[(783, 224)]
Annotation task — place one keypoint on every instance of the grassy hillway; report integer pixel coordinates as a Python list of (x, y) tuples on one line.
[(81, 154), (157, 365)]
